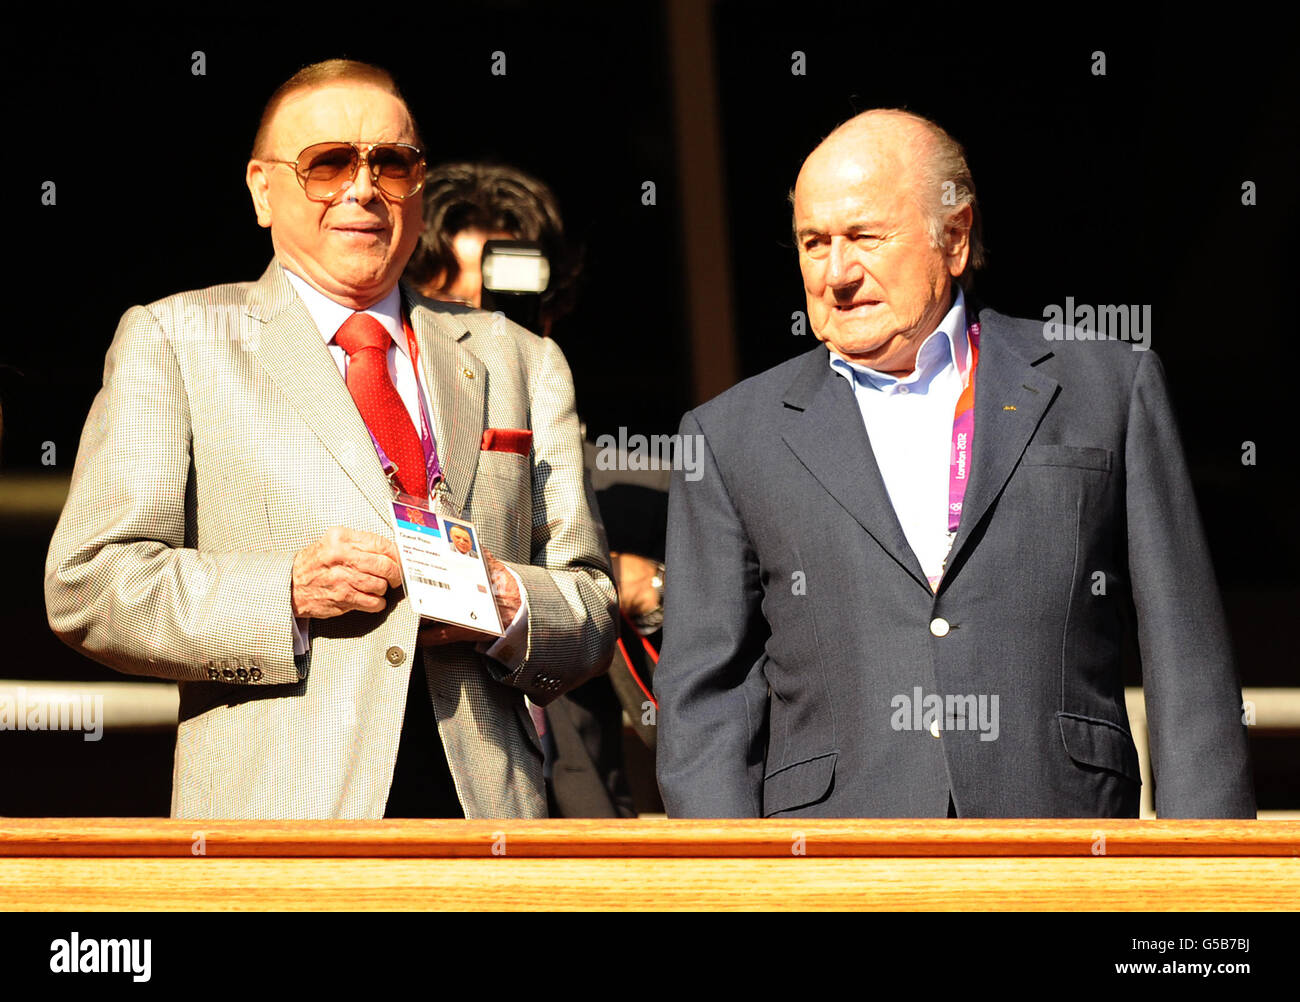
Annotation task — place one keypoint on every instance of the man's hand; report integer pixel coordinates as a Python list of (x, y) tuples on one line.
[(506, 593), (636, 592), (345, 569)]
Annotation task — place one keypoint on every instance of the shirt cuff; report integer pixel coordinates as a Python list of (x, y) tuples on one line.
[(510, 648), (301, 645)]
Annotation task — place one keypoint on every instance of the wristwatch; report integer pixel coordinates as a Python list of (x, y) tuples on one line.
[(648, 622)]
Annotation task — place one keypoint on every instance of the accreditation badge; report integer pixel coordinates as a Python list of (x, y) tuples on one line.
[(443, 567)]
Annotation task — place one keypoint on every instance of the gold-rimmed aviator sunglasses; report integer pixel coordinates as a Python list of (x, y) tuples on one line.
[(396, 169)]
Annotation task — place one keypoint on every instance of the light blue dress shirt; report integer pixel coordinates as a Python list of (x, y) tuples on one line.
[(909, 422)]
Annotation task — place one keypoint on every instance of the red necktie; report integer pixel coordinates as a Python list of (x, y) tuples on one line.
[(366, 342)]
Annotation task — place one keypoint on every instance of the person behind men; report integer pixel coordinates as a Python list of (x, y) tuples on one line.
[(229, 523), (928, 636), (466, 204)]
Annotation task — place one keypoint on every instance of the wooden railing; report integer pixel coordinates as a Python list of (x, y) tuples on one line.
[(1086, 864)]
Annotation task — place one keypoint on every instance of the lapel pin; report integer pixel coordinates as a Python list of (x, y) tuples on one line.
[(467, 373), (1008, 407)]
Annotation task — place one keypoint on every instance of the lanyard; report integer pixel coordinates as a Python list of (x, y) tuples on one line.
[(433, 467), (963, 432)]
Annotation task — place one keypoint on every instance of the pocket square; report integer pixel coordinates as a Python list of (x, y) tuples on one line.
[(517, 440)]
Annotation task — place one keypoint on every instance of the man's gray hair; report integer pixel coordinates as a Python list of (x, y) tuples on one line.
[(946, 176)]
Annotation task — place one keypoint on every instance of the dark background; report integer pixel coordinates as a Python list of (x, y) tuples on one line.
[(1124, 188)]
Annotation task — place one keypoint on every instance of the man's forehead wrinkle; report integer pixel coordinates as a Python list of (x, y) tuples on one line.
[(855, 196), (351, 114), (845, 215), (854, 163)]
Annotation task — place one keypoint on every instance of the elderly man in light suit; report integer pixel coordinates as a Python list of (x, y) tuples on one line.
[(871, 613), (229, 521)]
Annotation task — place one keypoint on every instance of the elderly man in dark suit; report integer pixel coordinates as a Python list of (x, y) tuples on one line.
[(902, 586)]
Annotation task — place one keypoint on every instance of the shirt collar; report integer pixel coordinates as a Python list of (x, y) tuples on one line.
[(329, 315), (946, 345)]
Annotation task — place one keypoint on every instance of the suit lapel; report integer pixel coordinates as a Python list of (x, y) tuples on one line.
[(1011, 397), (829, 438), (295, 356), (457, 382)]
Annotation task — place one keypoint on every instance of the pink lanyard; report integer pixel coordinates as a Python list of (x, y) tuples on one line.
[(963, 431)]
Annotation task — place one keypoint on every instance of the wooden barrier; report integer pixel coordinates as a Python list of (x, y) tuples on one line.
[(122, 864)]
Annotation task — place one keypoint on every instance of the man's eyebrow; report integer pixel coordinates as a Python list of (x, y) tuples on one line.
[(857, 226)]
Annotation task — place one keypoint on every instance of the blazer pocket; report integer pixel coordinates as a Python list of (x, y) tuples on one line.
[(512, 467), (798, 785), (1100, 743), (1079, 456)]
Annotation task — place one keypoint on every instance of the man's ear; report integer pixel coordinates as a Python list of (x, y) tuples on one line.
[(259, 186), (957, 238)]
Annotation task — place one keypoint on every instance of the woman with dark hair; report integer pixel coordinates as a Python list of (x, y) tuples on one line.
[(467, 204)]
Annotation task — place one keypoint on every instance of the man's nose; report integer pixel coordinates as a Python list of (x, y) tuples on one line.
[(360, 187), (841, 266)]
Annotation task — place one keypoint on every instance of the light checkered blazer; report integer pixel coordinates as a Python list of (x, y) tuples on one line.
[(223, 441)]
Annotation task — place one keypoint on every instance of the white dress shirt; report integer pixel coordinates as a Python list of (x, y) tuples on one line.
[(909, 423), (329, 317)]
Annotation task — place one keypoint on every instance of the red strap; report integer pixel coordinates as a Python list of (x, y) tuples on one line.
[(650, 650)]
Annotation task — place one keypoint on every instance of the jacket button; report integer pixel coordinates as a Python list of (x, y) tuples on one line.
[(939, 627), (395, 656)]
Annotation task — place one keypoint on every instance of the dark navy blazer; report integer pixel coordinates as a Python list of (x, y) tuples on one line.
[(797, 614)]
